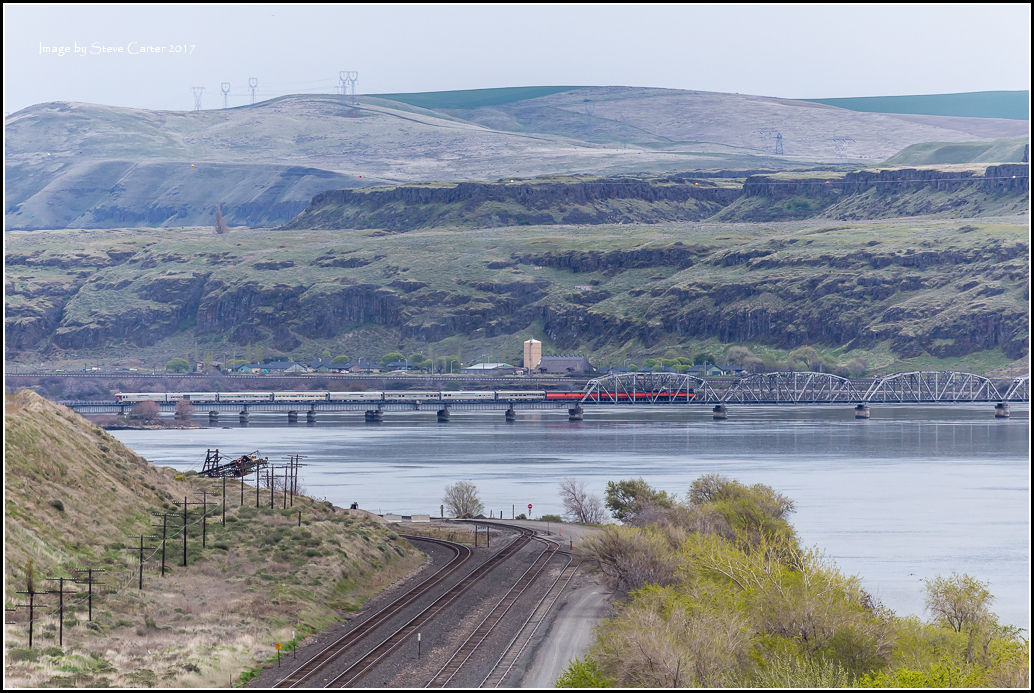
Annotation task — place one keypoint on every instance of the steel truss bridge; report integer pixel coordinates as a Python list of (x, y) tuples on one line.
[(677, 389), (917, 387)]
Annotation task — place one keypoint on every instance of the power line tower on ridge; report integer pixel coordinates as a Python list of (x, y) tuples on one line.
[(226, 94), (779, 143), (252, 83), (198, 91)]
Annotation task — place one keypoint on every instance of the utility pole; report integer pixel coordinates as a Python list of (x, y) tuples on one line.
[(198, 92), (89, 583), (165, 528), (60, 609), (204, 516), (141, 550), (186, 502), (31, 606)]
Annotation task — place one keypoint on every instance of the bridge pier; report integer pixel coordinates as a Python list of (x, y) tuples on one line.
[(292, 417), (861, 411), (443, 416), (1002, 410), (213, 417), (510, 415), (310, 416), (575, 414), (244, 417), (374, 416), (720, 413)]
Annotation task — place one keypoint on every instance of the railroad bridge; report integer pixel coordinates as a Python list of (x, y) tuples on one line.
[(649, 389)]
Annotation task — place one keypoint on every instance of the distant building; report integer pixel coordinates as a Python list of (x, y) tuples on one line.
[(532, 353), (564, 364), (274, 367), (490, 369), (362, 367)]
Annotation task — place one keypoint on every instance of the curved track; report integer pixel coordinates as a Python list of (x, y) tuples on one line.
[(303, 675), (460, 658), (353, 674)]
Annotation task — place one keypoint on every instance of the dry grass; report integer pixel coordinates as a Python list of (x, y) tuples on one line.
[(259, 578)]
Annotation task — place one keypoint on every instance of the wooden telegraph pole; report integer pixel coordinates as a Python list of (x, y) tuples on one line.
[(141, 549), (186, 502), (60, 609)]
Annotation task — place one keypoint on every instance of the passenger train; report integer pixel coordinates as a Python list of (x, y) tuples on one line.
[(392, 396)]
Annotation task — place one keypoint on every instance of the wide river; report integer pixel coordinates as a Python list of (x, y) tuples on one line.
[(912, 493)]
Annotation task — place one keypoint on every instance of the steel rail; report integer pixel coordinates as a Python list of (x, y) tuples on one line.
[(489, 623), (524, 635), (332, 651), (389, 645)]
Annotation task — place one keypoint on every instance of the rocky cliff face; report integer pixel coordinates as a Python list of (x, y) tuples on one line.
[(929, 289), (614, 201)]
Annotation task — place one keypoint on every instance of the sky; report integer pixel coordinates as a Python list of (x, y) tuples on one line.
[(790, 51)]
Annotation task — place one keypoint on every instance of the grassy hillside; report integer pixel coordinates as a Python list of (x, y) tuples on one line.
[(934, 153), (76, 165), (473, 98), (74, 498), (887, 292), (1013, 105)]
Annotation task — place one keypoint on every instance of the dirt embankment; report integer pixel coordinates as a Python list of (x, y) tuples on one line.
[(77, 498)]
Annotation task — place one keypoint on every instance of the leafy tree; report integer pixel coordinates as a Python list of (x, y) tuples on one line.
[(391, 356), (583, 674), (325, 354), (177, 365), (184, 409), (339, 359), (633, 368), (627, 498), (649, 363), (417, 359), (958, 601), (461, 500)]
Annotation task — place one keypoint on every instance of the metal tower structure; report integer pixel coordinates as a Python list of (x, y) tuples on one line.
[(840, 145), (590, 110), (779, 143), (198, 91), (226, 94), (252, 83), (350, 77)]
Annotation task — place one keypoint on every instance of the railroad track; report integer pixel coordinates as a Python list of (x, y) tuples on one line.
[(303, 675), (520, 641), (460, 658), (357, 671)]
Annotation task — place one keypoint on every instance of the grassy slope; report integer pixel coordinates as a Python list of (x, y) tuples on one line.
[(1013, 105), (434, 290), (932, 153), (259, 578)]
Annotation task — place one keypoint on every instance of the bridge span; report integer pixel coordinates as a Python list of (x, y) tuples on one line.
[(626, 389)]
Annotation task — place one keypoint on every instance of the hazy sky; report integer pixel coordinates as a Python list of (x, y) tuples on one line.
[(790, 51)]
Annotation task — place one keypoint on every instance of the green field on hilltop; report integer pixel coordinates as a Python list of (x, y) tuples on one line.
[(1011, 105), (936, 153), (473, 98)]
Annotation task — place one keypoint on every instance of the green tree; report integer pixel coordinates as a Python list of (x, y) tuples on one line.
[(583, 674), (177, 365), (629, 497), (325, 354), (339, 359), (958, 601), (461, 500), (391, 356)]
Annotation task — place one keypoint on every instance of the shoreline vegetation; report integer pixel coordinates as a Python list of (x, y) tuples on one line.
[(76, 498), (716, 591)]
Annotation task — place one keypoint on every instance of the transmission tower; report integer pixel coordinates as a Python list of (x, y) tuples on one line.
[(198, 91), (348, 78), (840, 145), (779, 143), (252, 83), (226, 94)]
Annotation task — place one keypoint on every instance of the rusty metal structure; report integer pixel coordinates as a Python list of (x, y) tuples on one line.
[(217, 465)]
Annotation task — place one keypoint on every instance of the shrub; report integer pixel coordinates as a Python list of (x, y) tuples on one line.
[(583, 674), (177, 365), (57, 505)]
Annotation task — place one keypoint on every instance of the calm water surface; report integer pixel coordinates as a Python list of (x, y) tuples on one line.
[(911, 493)]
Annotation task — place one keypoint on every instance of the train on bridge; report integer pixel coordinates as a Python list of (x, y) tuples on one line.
[(388, 396)]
